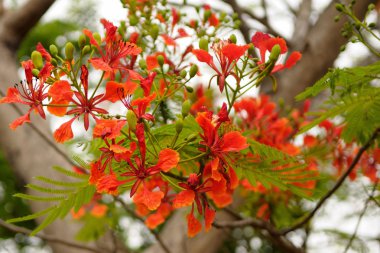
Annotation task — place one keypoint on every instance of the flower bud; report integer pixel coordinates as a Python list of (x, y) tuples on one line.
[(189, 89), (192, 137), (37, 59), (232, 38), (142, 64), (339, 7), (251, 49), (133, 20), (54, 62), (371, 7), (186, 106), (193, 70), (275, 53), (206, 15), (203, 44), (179, 126), (154, 30), (160, 60), (97, 37), (69, 51), (86, 49), (53, 50), (132, 120), (183, 73), (81, 41), (35, 72)]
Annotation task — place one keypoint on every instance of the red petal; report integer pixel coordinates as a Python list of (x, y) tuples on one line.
[(209, 218), (193, 225), (99, 63), (184, 198), (233, 141), (293, 59), (109, 129), (64, 132), (115, 90), (60, 90), (93, 41), (13, 96), (203, 56), (258, 38), (154, 220), (58, 110), (152, 200), (169, 40), (234, 52), (108, 184), (40, 48), (168, 159), (19, 121)]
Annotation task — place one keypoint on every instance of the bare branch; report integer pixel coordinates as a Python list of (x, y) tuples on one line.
[(302, 25), (361, 216), (132, 213), (1, 7), (49, 238), (244, 28), (336, 186), (268, 231), (16, 24)]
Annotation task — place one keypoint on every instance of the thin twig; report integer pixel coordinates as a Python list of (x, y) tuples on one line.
[(155, 234), (361, 217), (336, 186), (268, 230), (49, 238), (41, 134)]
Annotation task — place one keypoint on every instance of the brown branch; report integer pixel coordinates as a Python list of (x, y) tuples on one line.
[(301, 25), (348, 246), (336, 186), (268, 230), (17, 23), (49, 238), (132, 213)]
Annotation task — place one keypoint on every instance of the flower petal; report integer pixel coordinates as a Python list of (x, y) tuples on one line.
[(184, 198), (203, 56), (233, 141), (167, 159)]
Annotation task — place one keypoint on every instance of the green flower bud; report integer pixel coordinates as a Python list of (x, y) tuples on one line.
[(179, 126), (193, 70), (232, 38), (186, 106), (183, 73), (189, 89), (69, 51), (342, 48), (339, 7), (275, 53), (132, 120), (133, 20), (160, 60), (203, 44), (237, 24), (201, 33), (235, 16), (206, 15), (222, 15), (53, 50), (371, 7), (372, 25), (35, 72), (154, 30), (54, 62), (37, 59), (192, 137), (337, 18), (86, 49), (251, 49), (142, 64), (97, 37), (81, 41)]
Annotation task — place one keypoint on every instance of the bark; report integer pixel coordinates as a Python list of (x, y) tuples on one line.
[(27, 153)]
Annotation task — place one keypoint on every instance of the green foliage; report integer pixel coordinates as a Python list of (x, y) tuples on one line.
[(356, 99), (68, 195), (272, 167)]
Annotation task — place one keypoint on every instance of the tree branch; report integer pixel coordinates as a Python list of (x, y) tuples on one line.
[(336, 186), (269, 231), (132, 213), (49, 238), (302, 25), (17, 23)]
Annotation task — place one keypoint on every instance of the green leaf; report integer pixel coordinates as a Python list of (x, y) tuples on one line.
[(38, 198), (48, 190), (31, 216), (70, 173), (62, 183)]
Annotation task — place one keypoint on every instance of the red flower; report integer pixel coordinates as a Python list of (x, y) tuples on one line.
[(265, 43), (113, 53), (227, 54)]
